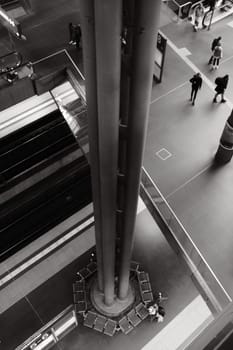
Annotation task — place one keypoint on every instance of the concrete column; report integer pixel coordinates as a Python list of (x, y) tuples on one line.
[(145, 37), (128, 25), (108, 56), (89, 55)]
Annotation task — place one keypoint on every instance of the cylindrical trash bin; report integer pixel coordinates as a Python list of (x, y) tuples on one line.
[(225, 149), (227, 134), (224, 153)]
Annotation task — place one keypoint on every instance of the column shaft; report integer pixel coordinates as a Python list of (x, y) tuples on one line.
[(89, 55), (145, 36), (108, 53)]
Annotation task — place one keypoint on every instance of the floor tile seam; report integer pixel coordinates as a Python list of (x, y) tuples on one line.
[(188, 62), (226, 60), (199, 173), (34, 310), (169, 92)]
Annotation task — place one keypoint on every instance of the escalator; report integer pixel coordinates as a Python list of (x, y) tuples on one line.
[(35, 211), (34, 145)]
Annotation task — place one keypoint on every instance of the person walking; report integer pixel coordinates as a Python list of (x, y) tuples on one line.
[(196, 82), (221, 85), (215, 42), (217, 55), (198, 15)]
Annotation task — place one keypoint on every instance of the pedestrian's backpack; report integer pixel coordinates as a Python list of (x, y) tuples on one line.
[(217, 51)]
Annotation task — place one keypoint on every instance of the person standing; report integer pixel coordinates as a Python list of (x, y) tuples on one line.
[(215, 42), (78, 35), (198, 15), (221, 85), (72, 33), (196, 82), (217, 55)]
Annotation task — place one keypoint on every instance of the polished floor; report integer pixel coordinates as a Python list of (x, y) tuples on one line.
[(167, 274), (199, 193)]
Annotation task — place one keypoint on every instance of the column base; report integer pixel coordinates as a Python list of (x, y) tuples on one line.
[(118, 306)]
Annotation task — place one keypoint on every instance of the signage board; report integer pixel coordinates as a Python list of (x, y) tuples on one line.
[(159, 57)]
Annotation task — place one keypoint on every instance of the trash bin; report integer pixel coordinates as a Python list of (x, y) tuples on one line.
[(224, 153), (225, 149), (227, 135)]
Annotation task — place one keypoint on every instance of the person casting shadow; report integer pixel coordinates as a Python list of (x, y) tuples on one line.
[(221, 85), (196, 82)]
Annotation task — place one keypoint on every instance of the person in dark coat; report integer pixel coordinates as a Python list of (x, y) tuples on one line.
[(196, 82), (72, 33), (78, 36), (215, 42), (221, 85)]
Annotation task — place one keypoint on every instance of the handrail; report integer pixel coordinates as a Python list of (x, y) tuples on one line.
[(222, 6), (180, 7), (195, 5), (184, 243)]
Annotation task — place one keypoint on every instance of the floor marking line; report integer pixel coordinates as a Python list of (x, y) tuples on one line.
[(32, 307), (191, 179), (194, 67), (226, 60), (169, 92)]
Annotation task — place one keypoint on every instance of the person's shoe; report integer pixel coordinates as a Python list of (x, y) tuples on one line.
[(71, 42), (193, 103), (222, 101), (214, 100)]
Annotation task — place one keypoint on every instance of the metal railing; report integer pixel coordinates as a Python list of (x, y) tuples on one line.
[(182, 243), (181, 10)]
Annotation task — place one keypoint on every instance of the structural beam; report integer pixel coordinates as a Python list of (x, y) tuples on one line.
[(144, 44), (89, 54), (108, 64)]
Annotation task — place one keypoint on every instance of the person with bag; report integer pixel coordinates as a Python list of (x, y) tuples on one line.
[(221, 85), (215, 42), (217, 55), (72, 28), (78, 36), (198, 15), (196, 82)]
